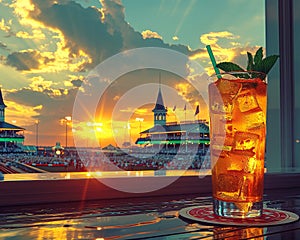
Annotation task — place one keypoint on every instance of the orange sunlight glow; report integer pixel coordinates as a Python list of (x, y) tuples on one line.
[(24, 115)]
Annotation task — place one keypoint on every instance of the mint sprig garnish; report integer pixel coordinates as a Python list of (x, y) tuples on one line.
[(232, 67), (258, 57), (250, 62), (229, 67), (255, 64)]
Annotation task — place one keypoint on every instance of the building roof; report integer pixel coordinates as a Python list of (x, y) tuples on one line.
[(159, 102), (190, 127), (110, 147), (1, 99), (8, 126)]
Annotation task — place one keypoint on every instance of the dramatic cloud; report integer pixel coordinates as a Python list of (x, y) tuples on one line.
[(100, 33), (150, 34), (82, 28), (76, 83), (36, 34), (5, 26), (214, 37), (53, 107), (38, 84), (26, 60), (233, 52), (175, 38)]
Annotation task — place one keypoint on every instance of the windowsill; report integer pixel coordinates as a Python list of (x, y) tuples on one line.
[(67, 187)]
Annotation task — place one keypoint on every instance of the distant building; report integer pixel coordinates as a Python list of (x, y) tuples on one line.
[(160, 111), (11, 136), (169, 137)]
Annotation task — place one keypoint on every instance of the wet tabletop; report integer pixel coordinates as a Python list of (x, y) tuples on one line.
[(137, 218)]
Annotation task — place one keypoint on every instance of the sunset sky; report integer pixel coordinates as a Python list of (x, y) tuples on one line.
[(48, 49)]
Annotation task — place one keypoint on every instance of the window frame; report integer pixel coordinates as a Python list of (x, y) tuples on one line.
[(281, 139)]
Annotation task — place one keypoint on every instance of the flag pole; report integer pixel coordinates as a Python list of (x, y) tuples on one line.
[(184, 113), (197, 111), (186, 137)]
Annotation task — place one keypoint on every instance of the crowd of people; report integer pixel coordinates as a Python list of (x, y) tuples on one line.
[(41, 162), (142, 160), (97, 160)]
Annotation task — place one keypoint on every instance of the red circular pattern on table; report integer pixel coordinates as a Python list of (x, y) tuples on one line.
[(269, 217)]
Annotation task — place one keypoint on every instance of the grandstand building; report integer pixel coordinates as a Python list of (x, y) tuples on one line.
[(11, 136), (172, 136)]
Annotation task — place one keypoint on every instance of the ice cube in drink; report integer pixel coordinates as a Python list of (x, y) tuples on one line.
[(238, 127)]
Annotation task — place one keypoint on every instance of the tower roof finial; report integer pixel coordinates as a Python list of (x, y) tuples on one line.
[(1, 99), (159, 79), (159, 102)]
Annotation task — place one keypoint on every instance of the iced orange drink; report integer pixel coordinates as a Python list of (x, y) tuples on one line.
[(238, 104)]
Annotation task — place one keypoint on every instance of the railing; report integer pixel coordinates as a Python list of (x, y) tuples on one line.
[(27, 168), (11, 150), (4, 169), (13, 135)]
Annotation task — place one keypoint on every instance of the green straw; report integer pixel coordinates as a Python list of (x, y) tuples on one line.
[(213, 61)]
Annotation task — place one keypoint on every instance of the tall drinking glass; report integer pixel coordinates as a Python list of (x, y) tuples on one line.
[(238, 105)]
